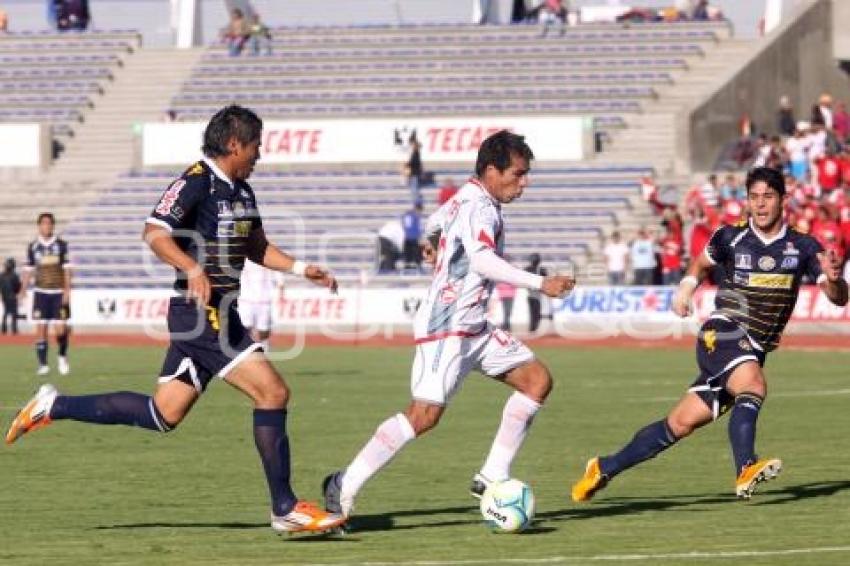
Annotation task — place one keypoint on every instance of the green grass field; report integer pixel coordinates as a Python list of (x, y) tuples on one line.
[(79, 494)]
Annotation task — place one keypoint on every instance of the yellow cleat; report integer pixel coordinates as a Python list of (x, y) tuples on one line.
[(592, 481), (307, 517), (34, 415), (754, 474)]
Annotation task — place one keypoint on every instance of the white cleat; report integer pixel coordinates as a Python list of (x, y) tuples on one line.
[(307, 518), (43, 370), (64, 368)]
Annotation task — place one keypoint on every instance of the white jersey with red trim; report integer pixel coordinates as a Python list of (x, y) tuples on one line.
[(457, 298)]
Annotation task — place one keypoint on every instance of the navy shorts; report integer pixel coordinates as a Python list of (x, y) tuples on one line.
[(204, 343), (48, 306), (722, 345)]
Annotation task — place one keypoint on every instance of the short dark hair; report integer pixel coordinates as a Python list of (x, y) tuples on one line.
[(230, 121), (44, 215), (498, 149), (772, 177)]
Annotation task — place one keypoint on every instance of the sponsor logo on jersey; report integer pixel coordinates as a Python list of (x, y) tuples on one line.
[(226, 229), (224, 210), (745, 345), (790, 249), (767, 263), (771, 280), (790, 262), (177, 212), (170, 197), (48, 260), (743, 261), (238, 209), (741, 278), (243, 228)]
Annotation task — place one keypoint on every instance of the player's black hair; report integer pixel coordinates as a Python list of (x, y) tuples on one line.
[(498, 149), (230, 121), (44, 215), (772, 177)]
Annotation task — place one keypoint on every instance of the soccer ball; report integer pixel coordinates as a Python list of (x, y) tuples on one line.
[(508, 506)]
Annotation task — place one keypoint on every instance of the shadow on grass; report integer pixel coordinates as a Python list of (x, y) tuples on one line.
[(630, 505)]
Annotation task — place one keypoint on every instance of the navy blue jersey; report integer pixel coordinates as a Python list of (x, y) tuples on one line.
[(211, 220), (49, 259), (761, 278)]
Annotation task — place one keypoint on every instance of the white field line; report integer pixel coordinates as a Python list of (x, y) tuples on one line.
[(695, 555)]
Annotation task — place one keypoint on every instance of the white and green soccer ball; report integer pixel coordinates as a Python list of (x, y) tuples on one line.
[(508, 506)]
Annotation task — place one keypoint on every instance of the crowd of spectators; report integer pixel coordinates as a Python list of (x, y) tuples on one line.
[(814, 155)]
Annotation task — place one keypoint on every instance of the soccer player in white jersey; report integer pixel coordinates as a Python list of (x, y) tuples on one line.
[(453, 336), (258, 286)]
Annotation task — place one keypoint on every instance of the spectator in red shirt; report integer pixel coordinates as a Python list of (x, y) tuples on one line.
[(829, 171), (671, 258), (827, 231), (447, 191), (701, 231)]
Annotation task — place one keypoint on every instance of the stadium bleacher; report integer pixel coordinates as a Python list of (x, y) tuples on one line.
[(564, 216), (55, 78)]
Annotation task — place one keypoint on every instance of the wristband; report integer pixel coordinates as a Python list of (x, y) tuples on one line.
[(690, 281), (299, 268)]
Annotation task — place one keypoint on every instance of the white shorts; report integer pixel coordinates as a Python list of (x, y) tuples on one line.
[(256, 316), (440, 366)]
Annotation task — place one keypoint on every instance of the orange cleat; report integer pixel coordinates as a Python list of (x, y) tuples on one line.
[(592, 481), (307, 517), (754, 474), (34, 415)]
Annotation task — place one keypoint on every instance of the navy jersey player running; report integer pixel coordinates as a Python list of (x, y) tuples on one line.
[(206, 225), (763, 262)]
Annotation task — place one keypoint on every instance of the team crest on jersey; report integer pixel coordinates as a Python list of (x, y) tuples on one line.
[(743, 261), (790, 262), (767, 263), (709, 338), (448, 295), (790, 249)]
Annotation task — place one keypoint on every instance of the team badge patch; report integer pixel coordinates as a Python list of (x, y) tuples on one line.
[(743, 261), (790, 262), (767, 263), (709, 338)]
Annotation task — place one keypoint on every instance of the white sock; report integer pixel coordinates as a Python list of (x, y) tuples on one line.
[(516, 419), (389, 439)]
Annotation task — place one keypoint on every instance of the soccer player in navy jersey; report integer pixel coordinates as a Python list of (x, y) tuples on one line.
[(206, 225), (49, 264), (763, 262)]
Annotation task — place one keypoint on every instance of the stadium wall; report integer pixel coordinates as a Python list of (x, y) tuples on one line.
[(795, 60), (374, 311)]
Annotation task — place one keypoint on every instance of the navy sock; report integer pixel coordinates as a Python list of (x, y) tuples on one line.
[(742, 429), (62, 340), (647, 443), (123, 407), (41, 352), (273, 446)]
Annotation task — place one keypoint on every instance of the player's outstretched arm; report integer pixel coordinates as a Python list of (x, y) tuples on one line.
[(833, 284), (696, 271), (162, 244), (486, 263), (268, 255)]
